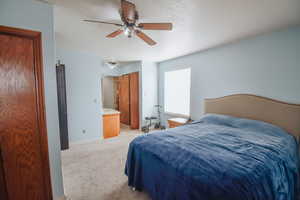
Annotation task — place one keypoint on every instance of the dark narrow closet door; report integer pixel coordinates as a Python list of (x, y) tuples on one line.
[(62, 106)]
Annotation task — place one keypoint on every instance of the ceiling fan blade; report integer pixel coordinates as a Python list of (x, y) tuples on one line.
[(144, 37), (128, 12), (102, 22), (115, 34), (156, 26)]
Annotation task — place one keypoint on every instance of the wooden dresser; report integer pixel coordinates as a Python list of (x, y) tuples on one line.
[(174, 122), (111, 123)]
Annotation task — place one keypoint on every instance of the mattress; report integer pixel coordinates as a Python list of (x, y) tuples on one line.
[(217, 157)]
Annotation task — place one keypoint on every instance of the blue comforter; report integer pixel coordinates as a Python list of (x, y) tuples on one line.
[(217, 158)]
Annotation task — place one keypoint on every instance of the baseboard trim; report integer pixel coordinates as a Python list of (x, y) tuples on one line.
[(85, 141), (61, 198)]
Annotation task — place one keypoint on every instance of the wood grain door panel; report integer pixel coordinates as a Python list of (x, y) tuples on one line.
[(22, 130), (3, 190), (124, 104), (134, 100)]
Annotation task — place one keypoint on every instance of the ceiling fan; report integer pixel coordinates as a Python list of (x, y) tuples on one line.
[(129, 17)]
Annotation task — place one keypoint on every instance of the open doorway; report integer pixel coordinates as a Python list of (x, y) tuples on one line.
[(120, 100), (88, 166)]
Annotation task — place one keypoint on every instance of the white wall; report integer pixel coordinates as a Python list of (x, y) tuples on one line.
[(267, 65), (83, 80), (38, 16), (130, 67), (106, 71), (149, 89), (108, 92)]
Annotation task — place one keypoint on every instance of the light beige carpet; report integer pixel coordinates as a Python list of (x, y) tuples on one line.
[(95, 170)]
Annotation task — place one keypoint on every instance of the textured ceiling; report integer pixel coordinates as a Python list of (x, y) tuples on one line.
[(198, 25)]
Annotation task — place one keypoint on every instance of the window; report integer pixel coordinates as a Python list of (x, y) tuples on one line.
[(177, 91)]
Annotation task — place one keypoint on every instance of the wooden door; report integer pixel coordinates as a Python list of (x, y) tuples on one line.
[(62, 106), (3, 190), (134, 100), (23, 137), (124, 99)]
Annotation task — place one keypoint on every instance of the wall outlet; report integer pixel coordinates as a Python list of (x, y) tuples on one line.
[(83, 131)]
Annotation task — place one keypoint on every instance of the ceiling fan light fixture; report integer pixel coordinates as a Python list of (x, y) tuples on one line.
[(128, 31), (129, 16)]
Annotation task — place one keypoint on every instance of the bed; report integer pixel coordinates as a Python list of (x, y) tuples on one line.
[(244, 147)]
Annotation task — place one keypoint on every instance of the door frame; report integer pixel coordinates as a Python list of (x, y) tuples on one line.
[(36, 37)]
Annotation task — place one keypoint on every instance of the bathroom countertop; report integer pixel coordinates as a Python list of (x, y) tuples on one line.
[(110, 111)]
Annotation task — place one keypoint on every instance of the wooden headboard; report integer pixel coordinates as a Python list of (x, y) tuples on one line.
[(284, 115)]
